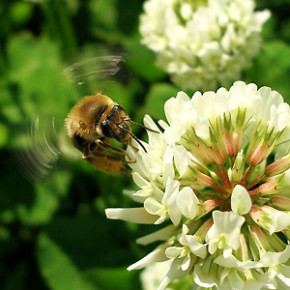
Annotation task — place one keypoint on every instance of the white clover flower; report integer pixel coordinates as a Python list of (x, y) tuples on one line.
[(225, 232), (202, 43), (152, 276), (220, 184)]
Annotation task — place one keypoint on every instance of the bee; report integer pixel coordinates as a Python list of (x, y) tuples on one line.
[(91, 125)]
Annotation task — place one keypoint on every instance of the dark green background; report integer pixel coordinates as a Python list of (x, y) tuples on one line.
[(53, 231)]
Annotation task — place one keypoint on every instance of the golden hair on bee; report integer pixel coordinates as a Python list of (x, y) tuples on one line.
[(91, 124)]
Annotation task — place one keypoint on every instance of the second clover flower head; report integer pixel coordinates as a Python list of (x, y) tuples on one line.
[(218, 177), (202, 43)]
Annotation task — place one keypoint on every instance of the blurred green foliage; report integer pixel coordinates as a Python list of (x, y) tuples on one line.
[(53, 231)]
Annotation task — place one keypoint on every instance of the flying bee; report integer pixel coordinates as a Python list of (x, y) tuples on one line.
[(92, 123)]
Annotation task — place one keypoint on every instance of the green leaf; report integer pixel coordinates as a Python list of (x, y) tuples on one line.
[(9, 111), (272, 68), (114, 278), (37, 71), (57, 267), (3, 135), (92, 241), (106, 20), (104, 25), (16, 194), (117, 22), (32, 204), (142, 61), (20, 12), (75, 250), (158, 94), (48, 193)]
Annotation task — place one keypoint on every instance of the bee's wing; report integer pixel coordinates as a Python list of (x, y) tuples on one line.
[(41, 150), (93, 70)]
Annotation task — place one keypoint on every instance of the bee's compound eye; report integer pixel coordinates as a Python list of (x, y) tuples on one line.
[(106, 129), (117, 108)]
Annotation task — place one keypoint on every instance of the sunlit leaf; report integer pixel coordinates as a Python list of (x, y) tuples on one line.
[(113, 278), (38, 71), (3, 135), (272, 68), (47, 198), (57, 267), (158, 94), (20, 12)]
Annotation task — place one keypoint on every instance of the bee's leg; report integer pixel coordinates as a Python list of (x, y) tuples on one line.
[(108, 163), (103, 148), (107, 146), (127, 154), (130, 143)]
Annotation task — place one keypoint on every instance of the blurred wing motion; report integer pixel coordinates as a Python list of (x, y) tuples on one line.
[(93, 72), (93, 68), (43, 150)]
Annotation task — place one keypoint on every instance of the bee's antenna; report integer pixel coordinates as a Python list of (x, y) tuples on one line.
[(140, 125), (133, 136)]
